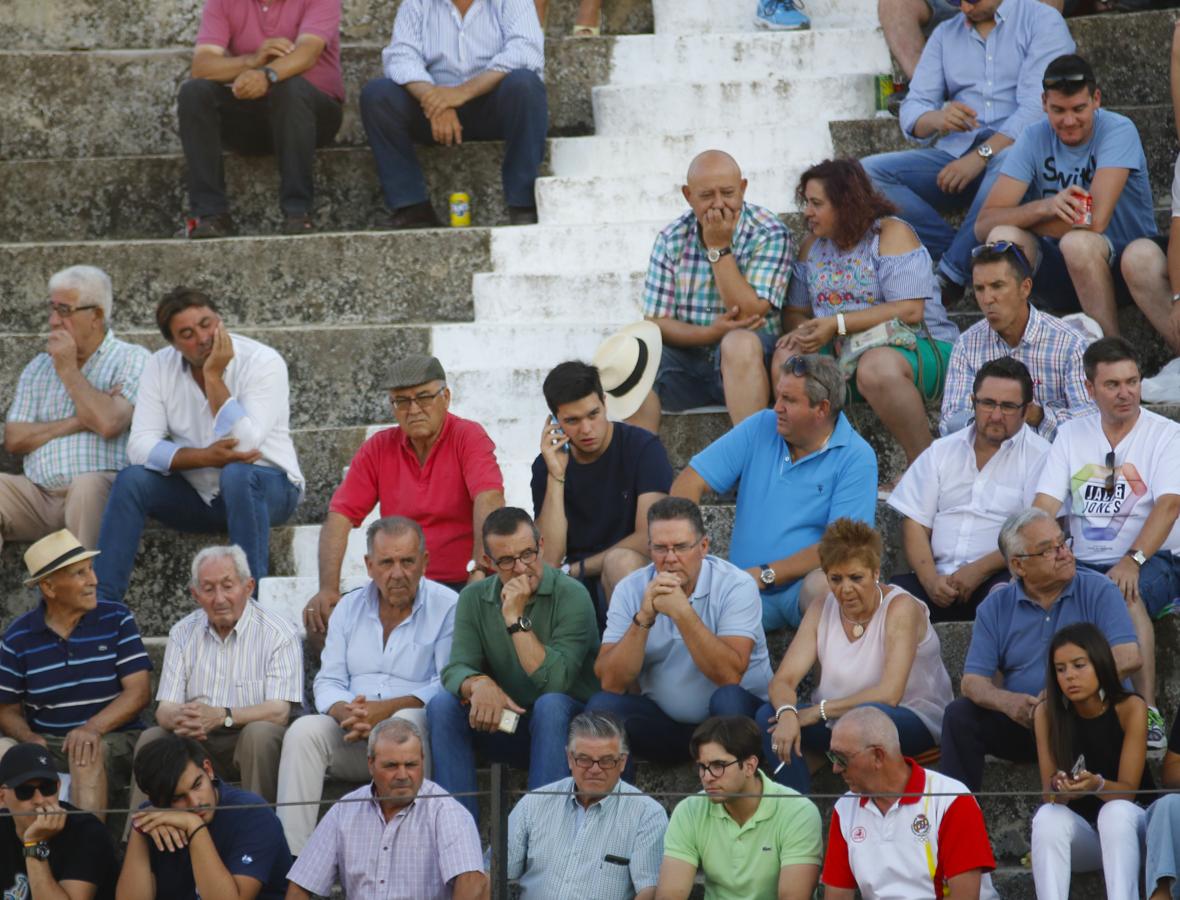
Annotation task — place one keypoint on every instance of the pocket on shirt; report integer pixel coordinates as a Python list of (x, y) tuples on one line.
[(251, 692), (614, 879)]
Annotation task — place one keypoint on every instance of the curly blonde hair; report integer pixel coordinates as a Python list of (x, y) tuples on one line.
[(848, 539)]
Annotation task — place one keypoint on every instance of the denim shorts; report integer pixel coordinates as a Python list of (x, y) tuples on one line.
[(690, 377), (1053, 286)]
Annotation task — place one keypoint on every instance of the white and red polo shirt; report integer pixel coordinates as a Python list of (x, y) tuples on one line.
[(910, 851)]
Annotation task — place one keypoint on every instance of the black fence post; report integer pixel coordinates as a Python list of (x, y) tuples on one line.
[(499, 833)]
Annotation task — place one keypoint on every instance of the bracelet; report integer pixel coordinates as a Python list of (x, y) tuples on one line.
[(823, 713), (635, 619), (31, 843), (581, 569), (1101, 785), (192, 833), (555, 478), (786, 706), (841, 328)]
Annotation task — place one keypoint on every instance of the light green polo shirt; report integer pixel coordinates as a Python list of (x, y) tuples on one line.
[(742, 862)]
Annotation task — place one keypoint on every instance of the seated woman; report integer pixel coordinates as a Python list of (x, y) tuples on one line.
[(875, 647), (1091, 749), (858, 270), (1163, 827)]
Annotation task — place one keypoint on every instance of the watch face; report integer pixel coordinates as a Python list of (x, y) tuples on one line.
[(713, 255), (767, 576), (525, 623)]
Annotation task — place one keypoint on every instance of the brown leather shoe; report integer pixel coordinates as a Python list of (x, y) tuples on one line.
[(420, 215)]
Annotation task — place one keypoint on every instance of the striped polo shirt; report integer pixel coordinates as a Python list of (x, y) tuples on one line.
[(63, 682)]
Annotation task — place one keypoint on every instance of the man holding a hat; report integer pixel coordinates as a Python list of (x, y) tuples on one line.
[(74, 673), (435, 468), (43, 851), (595, 479)]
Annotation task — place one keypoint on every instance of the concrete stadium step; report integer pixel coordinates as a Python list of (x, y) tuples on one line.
[(63, 105), (1129, 53), (336, 373), (499, 346), (705, 16), (339, 278), (573, 249), (517, 297)]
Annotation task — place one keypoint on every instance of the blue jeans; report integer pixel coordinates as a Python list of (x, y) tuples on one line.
[(1163, 841), (1159, 581), (908, 179), (252, 499), (537, 745), (915, 738), (654, 735), (515, 111), (780, 607)]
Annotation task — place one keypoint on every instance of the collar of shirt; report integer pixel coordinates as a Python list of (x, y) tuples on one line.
[(766, 808), (403, 440), (38, 623), (239, 628), (967, 436), (108, 341), (915, 787), (544, 589), (602, 803), (700, 593), (838, 438), (1066, 593), (373, 604)]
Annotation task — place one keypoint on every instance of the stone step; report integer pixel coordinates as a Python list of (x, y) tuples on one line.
[(703, 16), (63, 105), (503, 298), (1129, 53), (499, 346), (335, 372), (339, 278), (573, 249)]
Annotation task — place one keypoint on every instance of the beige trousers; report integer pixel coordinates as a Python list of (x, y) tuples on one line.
[(28, 512)]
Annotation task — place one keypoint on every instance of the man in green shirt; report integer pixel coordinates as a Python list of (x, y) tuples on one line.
[(754, 839), (525, 644)]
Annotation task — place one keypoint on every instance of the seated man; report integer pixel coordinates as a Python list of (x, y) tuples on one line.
[(683, 641), (973, 93), (594, 482), (715, 286), (215, 408), (70, 414), (194, 841), (1012, 326), (1073, 193), (264, 81), (524, 644), (436, 847), (1004, 674), (891, 795), (445, 82), (957, 494), (709, 832), (62, 686), (434, 468), (231, 672), (383, 657), (801, 467), (592, 835), (47, 853), (1114, 475)]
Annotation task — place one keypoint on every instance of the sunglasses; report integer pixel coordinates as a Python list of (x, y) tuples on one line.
[(1109, 486), (25, 791), (1061, 80), (797, 366), (1001, 248)]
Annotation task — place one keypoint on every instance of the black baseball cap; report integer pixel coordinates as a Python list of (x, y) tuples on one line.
[(27, 762)]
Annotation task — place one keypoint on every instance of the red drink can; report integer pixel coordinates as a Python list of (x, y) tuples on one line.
[(1086, 217)]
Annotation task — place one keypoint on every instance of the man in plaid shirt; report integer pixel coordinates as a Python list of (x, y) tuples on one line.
[(69, 415), (715, 285)]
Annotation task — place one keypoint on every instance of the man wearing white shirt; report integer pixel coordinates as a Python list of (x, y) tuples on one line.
[(957, 494), (458, 69), (383, 655), (215, 408), (1114, 475)]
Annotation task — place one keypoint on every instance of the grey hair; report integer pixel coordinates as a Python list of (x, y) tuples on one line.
[(397, 730), (597, 726), (873, 727), (232, 551), (393, 525), (822, 380), (91, 283), (1011, 541)]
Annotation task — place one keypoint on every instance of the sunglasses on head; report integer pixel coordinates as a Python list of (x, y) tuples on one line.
[(956, 3), (1000, 248), (797, 366), (1057, 81), (25, 791)]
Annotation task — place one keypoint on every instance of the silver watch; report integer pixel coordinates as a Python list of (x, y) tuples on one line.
[(985, 152), (714, 255)]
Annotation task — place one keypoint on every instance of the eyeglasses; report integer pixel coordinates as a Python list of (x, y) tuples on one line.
[(716, 768), (507, 563), (1061, 80), (1109, 486), (64, 312), (679, 549), (1049, 552), (839, 759), (1000, 248), (25, 791), (402, 404), (797, 366), (606, 763), (987, 405)]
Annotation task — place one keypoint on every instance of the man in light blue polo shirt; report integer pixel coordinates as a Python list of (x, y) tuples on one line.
[(1013, 628), (687, 632), (801, 466)]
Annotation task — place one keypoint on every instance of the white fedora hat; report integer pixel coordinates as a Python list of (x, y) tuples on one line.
[(53, 552), (627, 363)]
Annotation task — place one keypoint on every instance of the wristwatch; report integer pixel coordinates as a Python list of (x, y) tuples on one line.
[(39, 850), (985, 152), (766, 576), (714, 255), (524, 623), (1138, 556), (271, 75), (228, 722)]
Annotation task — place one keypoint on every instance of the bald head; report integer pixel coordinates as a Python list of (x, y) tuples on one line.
[(867, 726), (716, 192), (711, 164)]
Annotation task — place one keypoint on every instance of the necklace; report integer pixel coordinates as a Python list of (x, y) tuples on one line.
[(858, 628)]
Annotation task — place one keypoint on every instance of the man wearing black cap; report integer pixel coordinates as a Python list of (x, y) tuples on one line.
[(436, 468), (43, 851)]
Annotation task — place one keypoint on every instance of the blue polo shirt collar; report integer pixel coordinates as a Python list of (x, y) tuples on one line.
[(839, 438), (38, 622), (1067, 592)]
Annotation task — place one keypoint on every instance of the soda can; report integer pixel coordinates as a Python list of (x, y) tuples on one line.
[(1086, 217), (460, 210), (884, 90)]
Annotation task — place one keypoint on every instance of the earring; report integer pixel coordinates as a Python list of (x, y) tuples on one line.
[(1102, 695)]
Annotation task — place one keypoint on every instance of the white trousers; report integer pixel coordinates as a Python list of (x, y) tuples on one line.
[(1064, 842), (314, 747)]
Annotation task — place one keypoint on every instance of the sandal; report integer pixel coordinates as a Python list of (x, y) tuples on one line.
[(587, 31)]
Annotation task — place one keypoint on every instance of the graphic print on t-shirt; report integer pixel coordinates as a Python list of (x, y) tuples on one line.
[(1054, 180), (1094, 503), (19, 890)]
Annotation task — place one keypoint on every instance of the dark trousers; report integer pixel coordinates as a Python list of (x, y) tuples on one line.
[(515, 111), (290, 121), (956, 612), (970, 732)]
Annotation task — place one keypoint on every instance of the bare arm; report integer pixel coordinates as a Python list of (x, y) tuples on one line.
[(131, 700), (107, 415), (44, 886), (965, 885), (986, 693), (1158, 525), (294, 892), (723, 660), (1003, 206), (213, 63), (793, 567), (676, 878), (470, 886), (1127, 658), (915, 539), (683, 334), (214, 881), (689, 484), (1170, 772), (25, 437), (485, 503), (835, 893), (797, 882), (735, 290), (618, 665), (14, 725), (136, 881), (636, 540), (1174, 76), (1173, 257)]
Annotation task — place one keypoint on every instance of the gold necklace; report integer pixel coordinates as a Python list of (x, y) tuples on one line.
[(858, 628)]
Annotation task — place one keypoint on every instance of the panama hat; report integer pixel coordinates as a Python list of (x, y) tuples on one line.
[(627, 363), (53, 552)]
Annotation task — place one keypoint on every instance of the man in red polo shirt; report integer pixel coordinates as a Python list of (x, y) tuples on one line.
[(266, 79), (901, 830), (436, 469)]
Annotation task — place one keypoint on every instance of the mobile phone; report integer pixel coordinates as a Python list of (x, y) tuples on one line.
[(508, 721), (558, 432), (1078, 768)]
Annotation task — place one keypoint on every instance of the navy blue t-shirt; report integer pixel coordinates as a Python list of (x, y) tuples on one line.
[(601, 496), (249, 841)]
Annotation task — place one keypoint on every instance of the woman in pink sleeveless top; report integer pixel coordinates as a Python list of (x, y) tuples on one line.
[(875, 647)]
